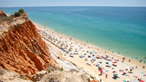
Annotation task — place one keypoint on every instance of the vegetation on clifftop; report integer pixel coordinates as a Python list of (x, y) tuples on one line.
[(4, 18), (17, 14), (21, 11)]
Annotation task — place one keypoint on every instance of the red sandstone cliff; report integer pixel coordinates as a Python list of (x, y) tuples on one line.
[(21, 48), (2, 13)]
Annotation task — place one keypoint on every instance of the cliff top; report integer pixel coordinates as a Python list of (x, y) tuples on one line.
[(1, 12), (8, 21)]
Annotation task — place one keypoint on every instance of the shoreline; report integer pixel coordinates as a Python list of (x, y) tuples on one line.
[(92, 46)]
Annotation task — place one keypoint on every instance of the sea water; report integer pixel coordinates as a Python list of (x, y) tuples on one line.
[(120, 29)]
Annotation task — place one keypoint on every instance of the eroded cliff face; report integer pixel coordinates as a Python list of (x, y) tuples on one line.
[(21, 48), (2, 13)]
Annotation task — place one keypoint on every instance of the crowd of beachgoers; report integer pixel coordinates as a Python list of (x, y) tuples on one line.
[(107, 66)]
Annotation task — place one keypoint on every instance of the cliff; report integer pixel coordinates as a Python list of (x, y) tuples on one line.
[(2, 13), (21, 48)]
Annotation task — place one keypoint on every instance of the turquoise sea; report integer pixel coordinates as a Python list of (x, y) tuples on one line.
[(122, 29)]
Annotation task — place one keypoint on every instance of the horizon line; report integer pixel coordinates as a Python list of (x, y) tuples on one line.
[(76, 6)]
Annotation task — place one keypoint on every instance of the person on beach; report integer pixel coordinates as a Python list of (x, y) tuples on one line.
[(100, 80), (140, 60), (100, 70), (106, 75), (136, 67), (86, 59), (123, 59), (117, 60), (143, 67), (129, 60)]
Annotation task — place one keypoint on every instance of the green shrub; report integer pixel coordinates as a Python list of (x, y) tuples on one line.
[(21, 11), (17, 14), (34, 50), (61, 69), (23, 77), (92, 77)]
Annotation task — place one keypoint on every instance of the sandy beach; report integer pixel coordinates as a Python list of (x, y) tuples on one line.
[(77, 52)]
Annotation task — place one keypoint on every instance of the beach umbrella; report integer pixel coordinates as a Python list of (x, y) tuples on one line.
[(113, 62), (97, 63), (91, 52), (115, 74), (100, 65), (109, 65), (67, 50), (106, 70), (100, 70), (141, 81), (142, 73), (127, 67), (93, 58), (127, 80), (114, 69), (81, 55), (134, 81)]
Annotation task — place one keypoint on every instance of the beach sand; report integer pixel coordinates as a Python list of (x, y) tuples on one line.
[(93, 70)]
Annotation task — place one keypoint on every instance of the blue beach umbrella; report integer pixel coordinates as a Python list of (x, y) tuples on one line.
[(106, 70), (91, 52), (93, 58), (142, 73)]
